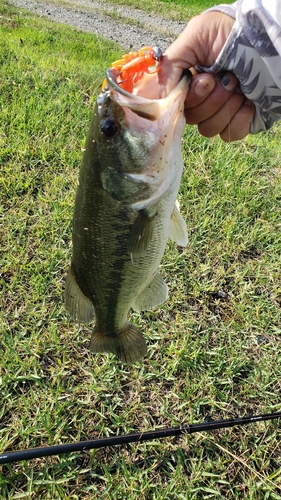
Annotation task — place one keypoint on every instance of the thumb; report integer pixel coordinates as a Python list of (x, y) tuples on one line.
[(199, 43), (179, 56), (170, 71)]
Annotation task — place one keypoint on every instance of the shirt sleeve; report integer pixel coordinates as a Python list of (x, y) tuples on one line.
[(253, 53)]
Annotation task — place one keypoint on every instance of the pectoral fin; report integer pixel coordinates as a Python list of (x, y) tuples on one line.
[(141, 233), (77, 304), (177, 229), (154, 294)]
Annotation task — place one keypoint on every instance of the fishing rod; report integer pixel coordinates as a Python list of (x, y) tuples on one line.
[(47, 451)]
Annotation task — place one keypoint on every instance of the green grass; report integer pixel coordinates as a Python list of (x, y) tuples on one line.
[(214, 347), (178, 10)]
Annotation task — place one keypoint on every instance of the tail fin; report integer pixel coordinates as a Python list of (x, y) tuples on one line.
[(128, 344)]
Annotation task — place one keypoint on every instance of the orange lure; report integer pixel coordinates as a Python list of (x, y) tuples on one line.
[(132, 66)]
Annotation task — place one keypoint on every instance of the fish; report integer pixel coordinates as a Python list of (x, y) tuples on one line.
[(125, 211)]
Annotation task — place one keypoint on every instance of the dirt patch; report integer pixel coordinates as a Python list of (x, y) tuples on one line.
[(131, 28)]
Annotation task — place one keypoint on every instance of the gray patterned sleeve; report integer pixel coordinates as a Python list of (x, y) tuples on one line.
[(253, 53)]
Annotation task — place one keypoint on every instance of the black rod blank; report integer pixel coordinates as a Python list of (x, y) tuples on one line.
[(17, 456)]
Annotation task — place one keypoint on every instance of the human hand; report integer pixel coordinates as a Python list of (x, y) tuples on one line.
[(214, 103)]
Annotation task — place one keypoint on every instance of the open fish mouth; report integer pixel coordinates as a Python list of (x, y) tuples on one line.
[(143, 106), (111, 77), (159, 123)]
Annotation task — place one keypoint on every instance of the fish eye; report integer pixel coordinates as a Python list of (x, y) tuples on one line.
[(110, 127)]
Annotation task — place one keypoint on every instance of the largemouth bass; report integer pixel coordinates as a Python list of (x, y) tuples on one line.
[(124, 213)]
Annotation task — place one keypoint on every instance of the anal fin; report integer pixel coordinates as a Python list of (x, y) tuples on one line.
[(128, 344), (77, 304), (154, 294)]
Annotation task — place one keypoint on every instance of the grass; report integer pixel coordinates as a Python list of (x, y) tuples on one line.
[(178, 10), (214, 347)]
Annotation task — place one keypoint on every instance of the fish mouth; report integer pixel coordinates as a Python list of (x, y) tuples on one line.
[(142, 106), (111, 78), (160, 123)]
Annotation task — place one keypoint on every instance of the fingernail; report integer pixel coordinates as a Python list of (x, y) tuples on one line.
[(204, 86), (225, 80), (228, 82)]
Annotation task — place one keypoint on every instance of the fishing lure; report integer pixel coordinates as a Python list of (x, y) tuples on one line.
[(132, 66)]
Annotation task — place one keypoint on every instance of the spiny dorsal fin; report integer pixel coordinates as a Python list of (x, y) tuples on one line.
[(154, 294), (141, 233), (177, 229), (77, 304)]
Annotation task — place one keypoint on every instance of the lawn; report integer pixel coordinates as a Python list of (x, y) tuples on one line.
[(214, 346), (176, 9), (179, 10)]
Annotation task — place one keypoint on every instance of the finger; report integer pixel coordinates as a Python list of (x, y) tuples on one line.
[(200, 107), (239, 126), (178, 56), (199, 43), (200, 88), (169, 75), (218, 122)]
